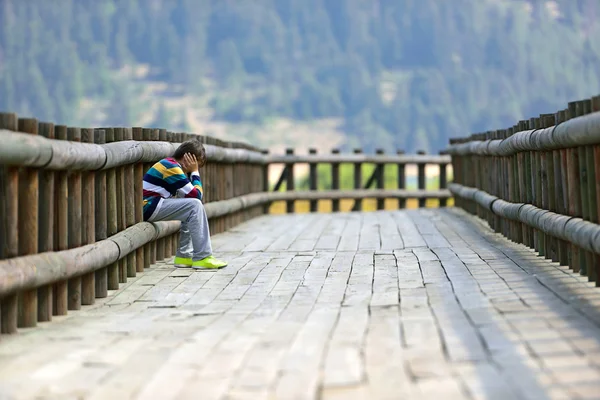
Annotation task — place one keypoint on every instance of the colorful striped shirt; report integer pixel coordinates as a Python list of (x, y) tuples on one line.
[(166, 179)]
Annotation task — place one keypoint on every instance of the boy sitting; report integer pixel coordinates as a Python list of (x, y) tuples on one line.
[(173, 191)]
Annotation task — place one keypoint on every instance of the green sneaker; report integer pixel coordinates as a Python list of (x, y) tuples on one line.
[(182, 262), (209, 263)]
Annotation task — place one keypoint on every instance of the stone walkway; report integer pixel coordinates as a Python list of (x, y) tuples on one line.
[(422, 304)]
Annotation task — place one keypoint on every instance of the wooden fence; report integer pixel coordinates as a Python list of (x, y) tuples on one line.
[(537, 183), (374, 185), (71, 210)]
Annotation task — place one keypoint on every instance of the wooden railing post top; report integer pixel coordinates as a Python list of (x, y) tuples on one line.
[(28, 125), (595, 103), (46, 129), (587, 106), (9, 121), (74, 134)]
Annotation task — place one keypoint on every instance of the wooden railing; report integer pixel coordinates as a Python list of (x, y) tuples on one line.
[(71, 205), (71, 210), (373, 188), (537, 183)]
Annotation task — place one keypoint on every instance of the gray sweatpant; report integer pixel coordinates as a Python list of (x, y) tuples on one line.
[(194, 235)]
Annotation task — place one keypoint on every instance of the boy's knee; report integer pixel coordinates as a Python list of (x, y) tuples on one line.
[(196, 204)]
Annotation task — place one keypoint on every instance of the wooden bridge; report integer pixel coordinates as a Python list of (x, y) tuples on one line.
[(475, 285)]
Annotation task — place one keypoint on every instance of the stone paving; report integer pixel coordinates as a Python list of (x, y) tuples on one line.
[(419, 304)]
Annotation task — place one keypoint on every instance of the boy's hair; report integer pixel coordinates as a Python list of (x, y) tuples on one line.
[(190, 146)]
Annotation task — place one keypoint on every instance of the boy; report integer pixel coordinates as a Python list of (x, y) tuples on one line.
[(173, 191)]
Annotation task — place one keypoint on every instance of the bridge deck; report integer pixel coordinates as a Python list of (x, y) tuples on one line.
[(382, 305)]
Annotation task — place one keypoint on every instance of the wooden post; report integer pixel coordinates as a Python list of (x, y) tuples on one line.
[(121, 219), (536, 184), (443, 181), (265, 182), (595, 107), (111, 213), (46, 226), (168, 239), (101, 218), (154, 136), (161, 243), (563, 199), (421, 178), (510, 187), (88, 224), (380, 168), (130, 200), (401, 180), (75, 236), (290, 181), (28, 227), (9, 226), (521, 185), (335, 181), (547, 175), (138, 171), (312, 181), (228, 170), (584, 258), (591, 212), (61, 226), (147, 136), (357, 181), (573, 192)]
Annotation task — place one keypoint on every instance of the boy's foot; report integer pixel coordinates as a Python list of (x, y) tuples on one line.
[(209, 263), (183, 262)]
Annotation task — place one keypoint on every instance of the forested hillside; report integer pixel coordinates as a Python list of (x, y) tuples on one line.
[(396, 73)]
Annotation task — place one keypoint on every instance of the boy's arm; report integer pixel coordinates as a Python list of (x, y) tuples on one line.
[(196, 182), (188, 188)]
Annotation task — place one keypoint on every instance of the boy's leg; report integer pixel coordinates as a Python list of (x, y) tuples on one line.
[(192, 214), (185, 248)]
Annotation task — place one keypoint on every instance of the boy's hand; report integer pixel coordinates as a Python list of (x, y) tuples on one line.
[(189, 163)]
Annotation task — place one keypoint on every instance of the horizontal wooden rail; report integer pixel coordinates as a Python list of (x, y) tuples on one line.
[(21, 149), (577, 231), (359, 194), (27, 272), (579, 131), (359, 158)]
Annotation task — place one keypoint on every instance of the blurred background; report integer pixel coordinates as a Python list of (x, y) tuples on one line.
[(393, 74)]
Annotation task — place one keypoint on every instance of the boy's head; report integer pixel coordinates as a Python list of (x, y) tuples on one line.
[(195, 148)]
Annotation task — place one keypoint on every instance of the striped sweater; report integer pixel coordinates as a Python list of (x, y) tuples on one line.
[(166, 179)]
